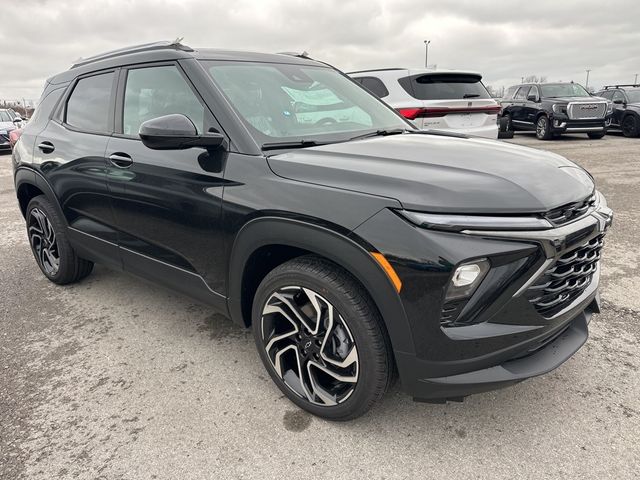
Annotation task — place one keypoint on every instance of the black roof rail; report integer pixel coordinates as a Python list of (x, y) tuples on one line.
[(377, 70), (607, 87), (145, 47), (295, 54)]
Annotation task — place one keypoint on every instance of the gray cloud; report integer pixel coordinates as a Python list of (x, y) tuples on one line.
[(502, 39)]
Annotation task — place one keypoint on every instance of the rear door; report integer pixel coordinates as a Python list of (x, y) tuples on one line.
[(69, 154), (167, 203), (456, 101), (531, 105), (518, 107)]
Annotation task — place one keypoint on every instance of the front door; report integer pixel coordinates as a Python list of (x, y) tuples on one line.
[(167, 203)]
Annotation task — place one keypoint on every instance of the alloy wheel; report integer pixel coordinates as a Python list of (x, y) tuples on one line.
[(43, 241), (309, 345), (628, 127), (541, 127)]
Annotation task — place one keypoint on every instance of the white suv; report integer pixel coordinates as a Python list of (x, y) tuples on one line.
[(436, 99)]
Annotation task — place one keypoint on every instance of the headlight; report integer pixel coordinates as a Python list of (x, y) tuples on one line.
[(456, 223), (466, 278), (558, 108), (609, 107)]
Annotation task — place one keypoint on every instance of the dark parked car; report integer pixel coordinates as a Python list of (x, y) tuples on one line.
[(354, 246), (626, 108), (551, 109)]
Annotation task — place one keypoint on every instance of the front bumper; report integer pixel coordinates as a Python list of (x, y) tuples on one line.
[(508, 339), (563, 124)]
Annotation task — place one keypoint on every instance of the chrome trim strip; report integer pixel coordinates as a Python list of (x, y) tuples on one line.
[(585, 129), (535, 276)]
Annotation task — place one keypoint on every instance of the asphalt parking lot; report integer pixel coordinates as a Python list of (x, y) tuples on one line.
[(116, 378)]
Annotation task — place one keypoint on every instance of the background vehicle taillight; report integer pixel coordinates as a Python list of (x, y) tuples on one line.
[(413, 113), (14, 135)]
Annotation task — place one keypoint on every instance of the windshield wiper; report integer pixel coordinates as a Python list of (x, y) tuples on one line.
[(471, 95), (294, 144), (381, 133)]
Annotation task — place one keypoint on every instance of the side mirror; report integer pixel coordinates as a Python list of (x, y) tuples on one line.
[(618, 102), (17, 120), (532, 98), (176, 132)]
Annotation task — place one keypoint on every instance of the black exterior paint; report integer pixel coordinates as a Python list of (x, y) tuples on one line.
[(194, 219)]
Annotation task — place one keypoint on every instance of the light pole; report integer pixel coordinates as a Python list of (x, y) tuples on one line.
[(587, 82), (426, 53), (636, 80)]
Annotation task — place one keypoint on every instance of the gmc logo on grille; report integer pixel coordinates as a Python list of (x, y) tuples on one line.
[(588, 107)]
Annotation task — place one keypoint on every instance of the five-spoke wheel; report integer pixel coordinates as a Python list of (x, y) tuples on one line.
[(43, 241)]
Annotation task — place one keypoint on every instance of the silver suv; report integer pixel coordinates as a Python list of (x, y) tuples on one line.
[(439, 100)]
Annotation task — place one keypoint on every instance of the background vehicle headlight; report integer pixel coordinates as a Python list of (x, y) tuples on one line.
[(558, 108), (609, 107), (466, 278)]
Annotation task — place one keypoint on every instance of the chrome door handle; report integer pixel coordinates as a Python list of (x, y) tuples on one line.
[(46, 147), (120, 160)]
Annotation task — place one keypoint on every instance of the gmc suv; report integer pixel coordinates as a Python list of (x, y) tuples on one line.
[(626, 108), (551, 109), (353, 244)]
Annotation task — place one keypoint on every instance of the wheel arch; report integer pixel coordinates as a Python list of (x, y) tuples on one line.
[(30, 184), (289, 238)]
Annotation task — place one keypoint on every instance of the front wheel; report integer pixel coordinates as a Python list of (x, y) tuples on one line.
[(543, 128), (630, 126), (321, 338)]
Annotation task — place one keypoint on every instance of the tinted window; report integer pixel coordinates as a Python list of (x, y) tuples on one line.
[(157, 91), (608, 94), (46, 104), (633, 96), (523, 92), (374, 85), (534, 91), (88, 106), (5, 116), (444, 87)]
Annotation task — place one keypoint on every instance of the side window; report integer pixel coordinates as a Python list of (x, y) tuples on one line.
[(618, 95), (375, 86), (509, 93), (153, 92), (88, 106), (522, 93), (534, 91), (608, 94)]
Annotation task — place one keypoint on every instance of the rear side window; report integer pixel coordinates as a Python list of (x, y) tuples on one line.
[(45, 106), (510, 92), (157, 91), (374, 85), (444, 87), (88, 105)]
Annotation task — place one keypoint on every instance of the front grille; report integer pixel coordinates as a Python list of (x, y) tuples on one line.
[(584, 110), (4, 137), (566, 279), (570, 212)]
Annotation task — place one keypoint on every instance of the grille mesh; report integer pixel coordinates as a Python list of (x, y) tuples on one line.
[(582, 110), (566, 279)]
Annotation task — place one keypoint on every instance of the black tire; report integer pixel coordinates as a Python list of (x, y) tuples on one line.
[(543, 128), (596, 136), (506, 127), (43, 221), (340, 290), (630, 126)]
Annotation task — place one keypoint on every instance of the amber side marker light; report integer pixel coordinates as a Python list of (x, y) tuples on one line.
[(391, 273)]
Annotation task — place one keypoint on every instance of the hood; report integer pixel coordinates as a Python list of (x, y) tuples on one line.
[(7, 126), (577, 99), (433, 173)]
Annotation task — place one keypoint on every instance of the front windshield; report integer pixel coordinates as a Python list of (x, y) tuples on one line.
[(5, 116), (564, 90), (634, 96), (286, 103)]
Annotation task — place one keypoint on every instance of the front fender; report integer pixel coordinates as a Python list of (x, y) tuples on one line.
[(351, 253)]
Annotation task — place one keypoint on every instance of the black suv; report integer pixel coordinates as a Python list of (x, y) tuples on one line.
[(626, 108), (551, 109), (288, 198)]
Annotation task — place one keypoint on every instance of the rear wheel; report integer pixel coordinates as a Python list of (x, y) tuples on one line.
[(321, 338), (543, 128), (630, 126), (596, 136), (51, 249), (506, 127)]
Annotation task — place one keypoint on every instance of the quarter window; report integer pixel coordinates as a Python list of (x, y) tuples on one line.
[(522, 93), (157, 91), (88, 105), (374, 85)]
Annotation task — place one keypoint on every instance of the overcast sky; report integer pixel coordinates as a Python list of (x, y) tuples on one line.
[(503, 39)]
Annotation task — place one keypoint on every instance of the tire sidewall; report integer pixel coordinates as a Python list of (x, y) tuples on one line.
[(547, 133), (65, 252), (366, 355)]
